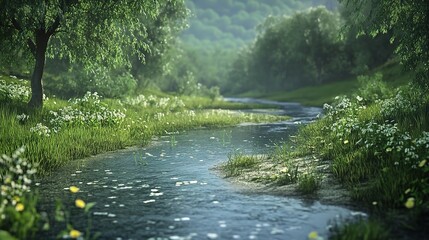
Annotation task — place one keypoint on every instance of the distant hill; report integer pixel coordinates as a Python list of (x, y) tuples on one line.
[(232, 23)]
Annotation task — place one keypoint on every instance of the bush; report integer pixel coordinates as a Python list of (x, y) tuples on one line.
[(372, 88)]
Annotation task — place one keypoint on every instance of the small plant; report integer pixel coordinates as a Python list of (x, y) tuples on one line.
[(287, 175), (308, 183), (237, 162)]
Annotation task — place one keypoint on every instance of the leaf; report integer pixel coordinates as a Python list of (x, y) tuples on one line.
[(89, 206), (6, 236)]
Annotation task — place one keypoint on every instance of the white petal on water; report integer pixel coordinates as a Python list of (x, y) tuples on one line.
[(111, 215), (174, 178), (112, 197), (212, 235), (149, 201), (106, 205), (121, 184), (121, 205), (156, 194), (275, 231), (193, 182), (107, 170), (100, 213), (154, 190), (185, 219)]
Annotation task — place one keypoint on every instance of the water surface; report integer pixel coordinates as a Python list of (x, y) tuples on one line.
[(168, 190)]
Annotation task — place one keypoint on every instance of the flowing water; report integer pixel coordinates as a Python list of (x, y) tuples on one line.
[(168, 190)]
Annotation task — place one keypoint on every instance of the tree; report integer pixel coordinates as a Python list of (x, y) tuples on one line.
[(407, 20), (90, 32)]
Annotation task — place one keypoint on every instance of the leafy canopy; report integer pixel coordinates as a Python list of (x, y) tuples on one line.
[(90, 32)]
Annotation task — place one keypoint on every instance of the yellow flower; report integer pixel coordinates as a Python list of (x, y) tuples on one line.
[(410, 202), (346, 141), (74, 189), (19, 207), (16, 199), (313, 235), (8, 180), (79, 203), (422, 163), (74, 233)]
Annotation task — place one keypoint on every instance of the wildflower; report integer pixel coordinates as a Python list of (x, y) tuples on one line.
[(74, 189), (313, 235), (388, 149), (410, 203), (374, 203), (75, 233), (19, 207), (408, 191), (346, 141), (359, 98), (16, 199), (422, 163), (80, 203)]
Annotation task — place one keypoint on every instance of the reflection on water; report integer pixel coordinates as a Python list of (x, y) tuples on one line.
[(167, 191)]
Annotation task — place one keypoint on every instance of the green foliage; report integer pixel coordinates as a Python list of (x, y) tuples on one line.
[(230, 24), (237, 162), (360, 229), (405, 20), (374, 149), (308, 183), (313, 53), (372, 88), (86, 32), (111, 84), (17, 206)]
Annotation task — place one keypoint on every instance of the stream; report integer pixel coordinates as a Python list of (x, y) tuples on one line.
[(168, 189)]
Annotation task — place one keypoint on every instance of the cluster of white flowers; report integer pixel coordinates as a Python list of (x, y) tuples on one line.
[(41, 130), (165, 103), (14, 91), (400, 102), (15, 176), (88, 111), (379, 138)]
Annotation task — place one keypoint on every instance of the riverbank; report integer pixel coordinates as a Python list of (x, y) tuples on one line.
[(375, 144), (266, 174)]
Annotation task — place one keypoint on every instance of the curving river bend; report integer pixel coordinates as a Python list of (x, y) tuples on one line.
[(167, 190)]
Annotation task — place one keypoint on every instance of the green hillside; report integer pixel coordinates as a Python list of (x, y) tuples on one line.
[(232, 23)]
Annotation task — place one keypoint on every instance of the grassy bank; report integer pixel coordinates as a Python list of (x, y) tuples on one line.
[(376, 142), (66, 130), (392, 74)]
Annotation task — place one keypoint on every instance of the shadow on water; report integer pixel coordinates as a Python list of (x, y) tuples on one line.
[(167, 190)]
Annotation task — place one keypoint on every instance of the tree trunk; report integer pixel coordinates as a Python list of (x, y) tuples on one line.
[(36, 100)]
